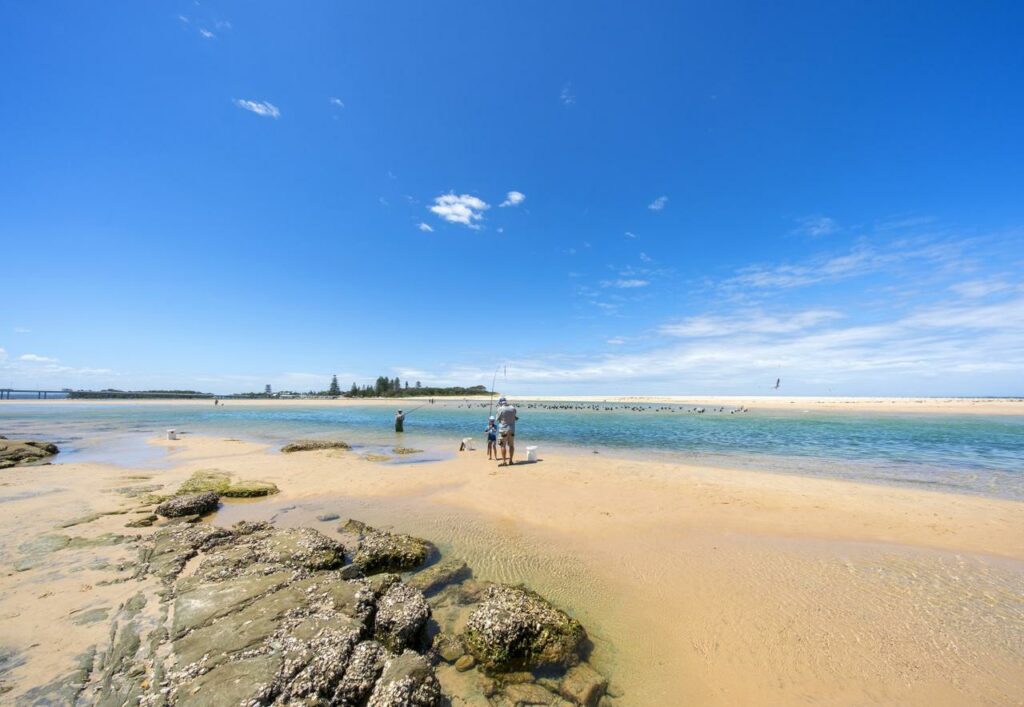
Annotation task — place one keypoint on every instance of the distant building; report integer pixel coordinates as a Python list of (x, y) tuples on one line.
[(267, 389)]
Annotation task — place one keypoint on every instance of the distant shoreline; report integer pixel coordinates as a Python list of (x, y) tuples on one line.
[(936, 405)]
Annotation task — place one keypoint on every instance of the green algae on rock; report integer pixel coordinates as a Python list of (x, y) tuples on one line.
[(17, 452), (312, 445), (219, 482), (380, 551)]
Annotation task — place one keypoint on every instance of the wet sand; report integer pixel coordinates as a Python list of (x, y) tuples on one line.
[(697, 585)]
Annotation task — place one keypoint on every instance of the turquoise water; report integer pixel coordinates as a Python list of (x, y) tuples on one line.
[(969, 453)]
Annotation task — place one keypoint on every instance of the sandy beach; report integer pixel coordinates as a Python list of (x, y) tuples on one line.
[(952, 406), (698, 585)]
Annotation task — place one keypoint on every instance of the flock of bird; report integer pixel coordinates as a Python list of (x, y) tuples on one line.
[(611, 407)]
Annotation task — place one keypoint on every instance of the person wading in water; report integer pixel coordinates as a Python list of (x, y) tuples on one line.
[(399, 421)]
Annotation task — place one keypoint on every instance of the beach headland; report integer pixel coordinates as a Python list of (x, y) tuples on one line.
[(697, 585)]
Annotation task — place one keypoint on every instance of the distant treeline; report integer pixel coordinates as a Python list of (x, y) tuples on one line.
[(114, 393), (385, 387)]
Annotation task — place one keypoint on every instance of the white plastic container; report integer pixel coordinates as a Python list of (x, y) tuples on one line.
[(531, 454), (172, 434)]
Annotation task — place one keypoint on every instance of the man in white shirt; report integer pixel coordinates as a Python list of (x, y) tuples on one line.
[(506, 429)]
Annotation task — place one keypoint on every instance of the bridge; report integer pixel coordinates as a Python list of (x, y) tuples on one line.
[(5, 393)]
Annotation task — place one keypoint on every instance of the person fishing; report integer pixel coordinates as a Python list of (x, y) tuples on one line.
[(506, 430), (399, 421)]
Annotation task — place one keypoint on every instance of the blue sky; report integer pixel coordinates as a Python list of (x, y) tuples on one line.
[(605, 197)]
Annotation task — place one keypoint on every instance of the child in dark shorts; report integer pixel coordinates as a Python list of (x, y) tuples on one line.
[(492, 438)]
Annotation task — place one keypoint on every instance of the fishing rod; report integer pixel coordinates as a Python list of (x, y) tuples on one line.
[(490, 406)]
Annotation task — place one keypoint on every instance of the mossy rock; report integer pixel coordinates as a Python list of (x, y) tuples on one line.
[(406, 450), (205, 480), (376, 457), (219, 482), (250, 489), (312, 445)]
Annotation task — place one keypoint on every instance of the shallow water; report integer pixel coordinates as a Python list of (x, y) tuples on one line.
[(965, 453), (676, 618)]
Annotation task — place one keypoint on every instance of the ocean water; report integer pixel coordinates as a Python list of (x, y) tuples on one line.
[(975, 454)]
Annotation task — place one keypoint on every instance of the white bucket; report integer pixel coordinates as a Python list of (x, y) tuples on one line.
[(172, 434), (531, 454)]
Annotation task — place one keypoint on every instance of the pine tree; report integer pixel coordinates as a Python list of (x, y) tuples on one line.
[(334, 389)]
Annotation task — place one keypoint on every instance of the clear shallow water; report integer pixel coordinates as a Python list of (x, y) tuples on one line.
[(969, 453)]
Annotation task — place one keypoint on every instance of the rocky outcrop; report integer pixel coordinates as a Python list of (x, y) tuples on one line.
[(516, 629), (312, 445), (221, 484), (15, 452), (381, 551), (260, 615), (191, 504), (402, 615)]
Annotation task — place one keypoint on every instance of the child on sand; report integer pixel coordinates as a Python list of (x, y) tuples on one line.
[(492, 438)]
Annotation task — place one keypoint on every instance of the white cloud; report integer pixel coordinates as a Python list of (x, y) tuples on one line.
[(183, 19), (658, 204), (816, 226), (567, 97), (206, 34), (337, 102), (222, 24), (263, 108), (426, 228), (513, 198), (462, 209), (927, 351), (630, 235), (36, 358), (615, 341), (625, 283), (644, 257), (979, 288), (752, 322), (862, 259), (21, 330)]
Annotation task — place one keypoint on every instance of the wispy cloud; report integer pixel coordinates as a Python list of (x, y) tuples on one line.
[(862, 259), (748, 322), (21, 330), (816, 226), (426, 227), (630, 235), (625, 283), (513, 198), (37, 358), (658, 204), (206, 34), (928, 350), (644, 257), (336, 102), (615, 341), (463, 209), (263, 108), (980, 288), (567, 97)]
